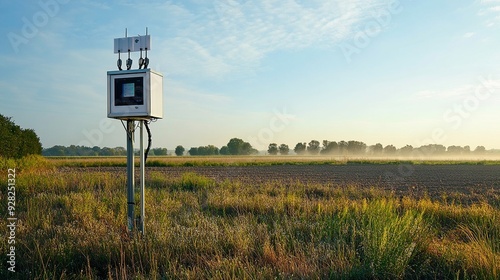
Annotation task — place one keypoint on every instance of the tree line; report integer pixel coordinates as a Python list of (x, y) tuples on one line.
[(95, 151), (343, 148), (237, 146), (16, 142), (359, 148)]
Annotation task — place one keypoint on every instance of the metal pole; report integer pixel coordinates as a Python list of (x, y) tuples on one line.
[(142, 221), (130, 175)]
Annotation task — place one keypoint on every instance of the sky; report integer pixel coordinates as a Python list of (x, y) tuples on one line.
[(378, 71)]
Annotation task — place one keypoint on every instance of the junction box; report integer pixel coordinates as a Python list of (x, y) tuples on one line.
[(135, 94)]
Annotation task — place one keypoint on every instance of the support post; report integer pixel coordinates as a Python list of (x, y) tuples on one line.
[(130, 175), (142, 219)]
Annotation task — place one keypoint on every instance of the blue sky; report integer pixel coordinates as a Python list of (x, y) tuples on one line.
[(394, 72)]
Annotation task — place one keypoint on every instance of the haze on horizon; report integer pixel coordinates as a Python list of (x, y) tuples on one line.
[(377, 71)]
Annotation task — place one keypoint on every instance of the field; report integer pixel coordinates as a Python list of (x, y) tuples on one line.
[(257, 218)]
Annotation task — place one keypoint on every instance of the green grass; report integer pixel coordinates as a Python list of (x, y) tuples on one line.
[(72, 226)]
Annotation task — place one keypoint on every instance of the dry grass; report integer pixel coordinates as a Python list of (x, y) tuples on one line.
[(72, 226)]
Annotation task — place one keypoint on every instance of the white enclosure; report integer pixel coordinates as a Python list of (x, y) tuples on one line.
[(132, 44), (135, 94)]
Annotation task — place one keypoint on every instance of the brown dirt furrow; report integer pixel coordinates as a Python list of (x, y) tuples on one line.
[(419, 180)]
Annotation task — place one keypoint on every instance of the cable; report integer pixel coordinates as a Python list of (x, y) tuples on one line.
[(129, 133), (124, 125), (119, 62), (146, 123), (146, 60), (141, 60), (129, 61), (126, 130)]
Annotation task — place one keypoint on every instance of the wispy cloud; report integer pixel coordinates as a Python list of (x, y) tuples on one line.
[(212, 39), (233, 35), (445, 93), (491, 11), (183, 92), (469, 35), (490, 84)]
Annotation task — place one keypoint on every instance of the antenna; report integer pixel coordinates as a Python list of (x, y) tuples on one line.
[(146, 59)]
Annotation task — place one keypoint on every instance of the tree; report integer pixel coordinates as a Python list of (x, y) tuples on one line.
[(16, 142), (56, 151), (313, 147), (237, 146), (253, 151), (343, 147), (389, 150), (284, 149), (94, 151), (480, 150), (376, 149), (179, 151), (234, 146), (193, 151), (455, 150), (106, 151), (121, 151), (209, 150), (433, 149), (272, 149), (324, 147), (329, 147), (203, 151), (300, 148), (158, 151), (406, 150), (213, 150), (30, 143), (224, 150), (356, 147)]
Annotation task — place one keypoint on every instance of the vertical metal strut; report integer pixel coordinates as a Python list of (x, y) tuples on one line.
[(130, 175), (141, 153)]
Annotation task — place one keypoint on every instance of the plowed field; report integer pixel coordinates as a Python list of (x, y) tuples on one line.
[(403, 179)]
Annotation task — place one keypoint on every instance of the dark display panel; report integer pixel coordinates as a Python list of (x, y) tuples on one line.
[(129, 91)]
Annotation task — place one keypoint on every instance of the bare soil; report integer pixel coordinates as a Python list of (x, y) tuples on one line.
[(459, 182)]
